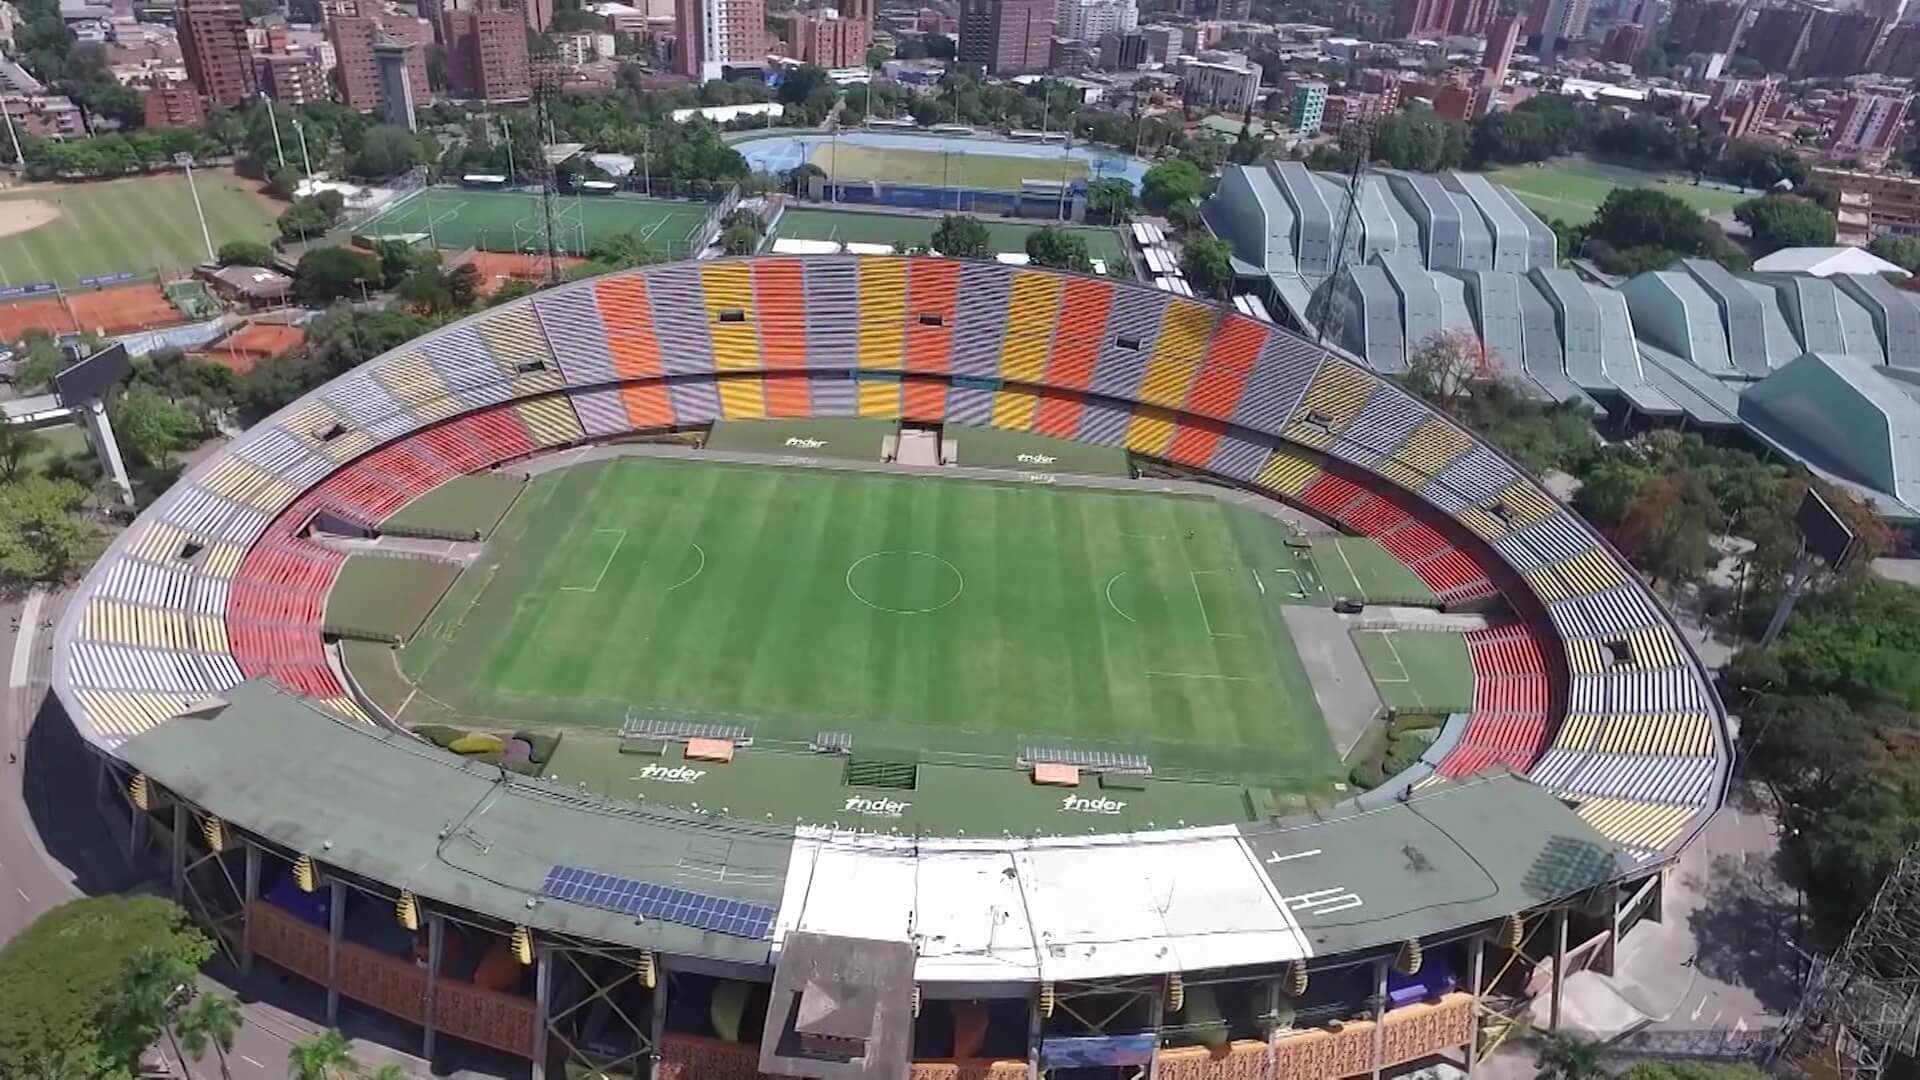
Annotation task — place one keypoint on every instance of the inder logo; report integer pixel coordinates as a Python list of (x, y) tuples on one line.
[(1036, 459), (671, 774), (1079, 804), (799, 443), (886, 808)]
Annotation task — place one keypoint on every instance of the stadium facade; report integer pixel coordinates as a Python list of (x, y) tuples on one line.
[(1695, 344), (571, 932)]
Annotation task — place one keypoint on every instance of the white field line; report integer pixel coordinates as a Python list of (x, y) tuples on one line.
[(1193, 577), (602, 576)]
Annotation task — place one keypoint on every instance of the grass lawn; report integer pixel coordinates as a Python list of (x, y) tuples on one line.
[(1418, 670), (386, 597), (860, 227), (986, 172), (923, 616), (1359, 568), (459, 219), (463, 508), (142, 224), (54, 444), (1573, 188)]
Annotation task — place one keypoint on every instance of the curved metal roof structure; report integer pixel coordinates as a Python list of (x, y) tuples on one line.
[(1594, 694)]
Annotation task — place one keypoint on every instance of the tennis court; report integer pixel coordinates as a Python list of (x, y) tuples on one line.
[(454, 218), (1424, 671), (860, 227)]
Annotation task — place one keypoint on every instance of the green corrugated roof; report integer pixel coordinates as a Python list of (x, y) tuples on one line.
[(390, 809)]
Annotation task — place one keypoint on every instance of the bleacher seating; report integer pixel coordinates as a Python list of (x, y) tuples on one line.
[(214, 583)]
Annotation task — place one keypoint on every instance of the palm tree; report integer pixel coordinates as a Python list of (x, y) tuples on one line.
[(323, 1057), (209, 1020)]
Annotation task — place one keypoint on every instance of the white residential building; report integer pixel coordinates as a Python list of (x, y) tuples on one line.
[(1089, 20)]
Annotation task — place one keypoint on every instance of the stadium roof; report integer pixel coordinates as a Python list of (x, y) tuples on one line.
[(1822, 261)]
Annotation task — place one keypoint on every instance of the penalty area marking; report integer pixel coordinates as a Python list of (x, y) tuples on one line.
[(1197, 675), (1193, 576), (1386, 637), (1110, 603), (959, 578), (602, 575)]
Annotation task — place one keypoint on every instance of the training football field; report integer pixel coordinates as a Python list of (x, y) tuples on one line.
[(458, 219), (140, 225), (922, 616)]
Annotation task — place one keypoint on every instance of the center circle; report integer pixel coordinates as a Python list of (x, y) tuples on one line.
[(905, 582)]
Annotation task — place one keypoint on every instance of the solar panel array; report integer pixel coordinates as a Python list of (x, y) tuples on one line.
[(628, 896)]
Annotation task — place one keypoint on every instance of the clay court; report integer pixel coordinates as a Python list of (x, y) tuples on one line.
[(249, 345), (116, 311), (498, 267), (48, 313)]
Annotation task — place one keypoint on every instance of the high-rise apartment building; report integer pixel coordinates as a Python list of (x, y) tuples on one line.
[(1470, 17), (487, 55), (356, 68), (1838, 44), (1777, 36), (1704, 26), (213, 43), (1413, 18), (1899, 53), (828, 37), (174, 105), (1625, 42), (1091, 20), (1555, 23), (1502, 37), (1308, 109), (1870, 126), (539, 14), (712, 34), (1007, 37), (294, 78)]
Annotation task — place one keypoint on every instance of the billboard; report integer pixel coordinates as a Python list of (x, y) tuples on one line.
[(1827, 536), (91, 377)]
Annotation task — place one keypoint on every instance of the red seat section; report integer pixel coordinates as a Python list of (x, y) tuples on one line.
[(1511, 702)]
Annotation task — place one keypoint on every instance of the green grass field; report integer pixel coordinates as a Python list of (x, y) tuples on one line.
[(1359, 568), (141, 224), (986, 172), (1573, 188), (1418, 670), (463, 508), (458, 219), (385, 597), (927, 617), (861, 227)]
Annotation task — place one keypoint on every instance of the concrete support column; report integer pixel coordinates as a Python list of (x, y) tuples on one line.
[(1559, 965), (137, 837), (542, 1007), (1476, 971), (336, 923), (1379, 1013), (657, 1012), (1156, 1015), (93, 415), (179, 854), (436, 943), (247, 899), (1035, 1025)]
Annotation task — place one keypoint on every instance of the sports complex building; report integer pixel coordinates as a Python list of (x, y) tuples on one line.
[(836, 666), (1815, 354)]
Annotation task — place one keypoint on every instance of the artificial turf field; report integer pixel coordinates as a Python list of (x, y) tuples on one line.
[(457, 219), (862, 227), (1573, 188), (141, 224), (898, 165), (937, 618), (1423, 671)]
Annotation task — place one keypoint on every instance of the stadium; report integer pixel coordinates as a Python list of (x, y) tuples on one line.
[(837, 666)]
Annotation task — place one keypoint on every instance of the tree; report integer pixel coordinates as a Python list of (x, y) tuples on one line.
[(739, 239), (1058, 248), (41, 359), (155, 986), (1565, 1058), (1172, 183), (62, 979), (16, 444), (877, 56), (1668, 527), (212, 1020), (309, 216), (1420, 141), (962, 236), (151, 427), (1208, 263), (1444, 367), (326, 1056), (328, 274), (42, 535), (385, 151), (1785, 221), (1902, 251), (1110, 200), (245, 253)]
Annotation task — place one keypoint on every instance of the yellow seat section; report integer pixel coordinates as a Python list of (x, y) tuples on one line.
[(1587, 656), (1655, 647), (348, 708), (1525, 504), (731, 319), (1184, 334), (1580, 731), (1631, 823), (412, 381), (1589, 572), (245, 483), (1033, 309), (1337, 394), (879, 398), (743, 397), (128, 713), (1403, 474), (1014, 409), (1150, 431), (1673, 734), (121, 623), (513, 334), (883, 314), (1287, 474), (354, 443), (1487, 526), (223, 560), (1433, 446), (550, 421), (1546, 584), (161, 542)]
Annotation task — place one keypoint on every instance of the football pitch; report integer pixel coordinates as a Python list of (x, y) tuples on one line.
[(1573, 188), (141, 224), (458, 219), (986, 172), (941, 619), (862, 227)]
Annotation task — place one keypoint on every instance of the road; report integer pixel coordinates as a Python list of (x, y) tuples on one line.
[(55, 847)]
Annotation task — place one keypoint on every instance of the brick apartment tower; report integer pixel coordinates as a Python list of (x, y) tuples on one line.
[(487, 55), (1007, 37), (1502, 37), (1417, 18), (715, 33), (213, 42), (357, 69)]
